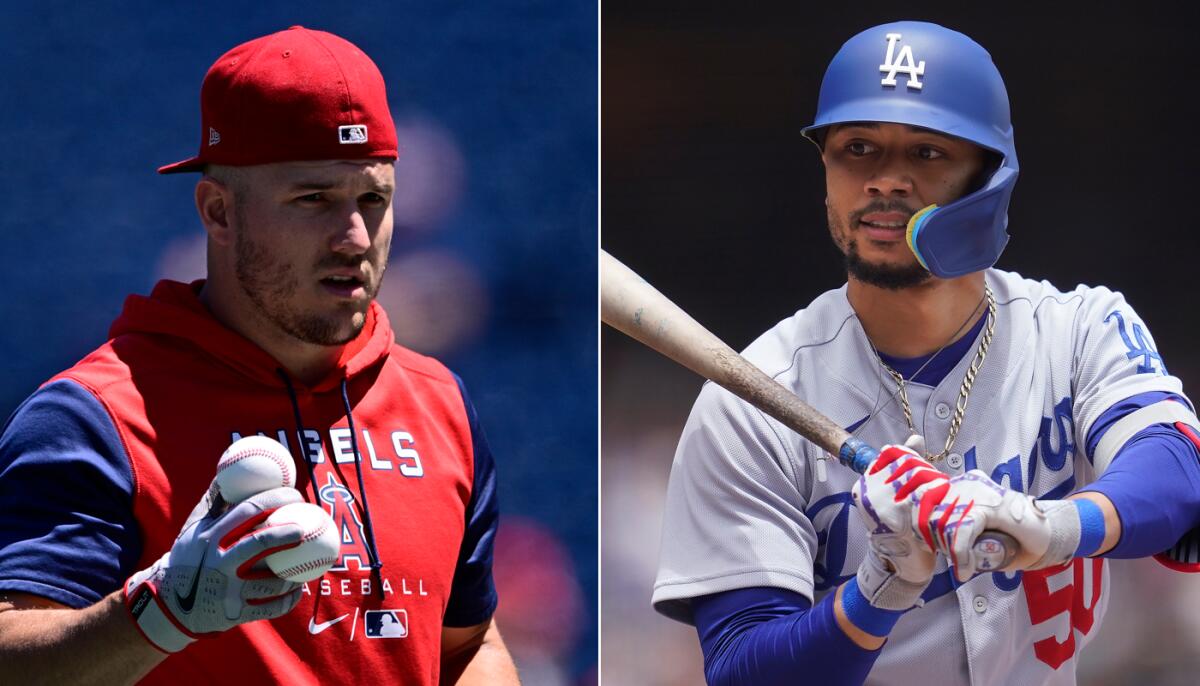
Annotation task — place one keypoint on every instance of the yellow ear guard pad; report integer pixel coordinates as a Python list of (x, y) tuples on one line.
[(914, 228)]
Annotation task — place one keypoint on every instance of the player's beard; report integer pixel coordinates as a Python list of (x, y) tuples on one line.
[(887, 276), (273, 285)]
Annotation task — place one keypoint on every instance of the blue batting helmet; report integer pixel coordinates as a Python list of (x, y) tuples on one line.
[(925, 75)]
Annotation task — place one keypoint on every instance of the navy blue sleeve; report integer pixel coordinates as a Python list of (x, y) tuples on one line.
[(473, 593), (772, 636), (1153, 481), (66, 499)]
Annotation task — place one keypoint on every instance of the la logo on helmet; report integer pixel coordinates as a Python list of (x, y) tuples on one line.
[(893, 64)]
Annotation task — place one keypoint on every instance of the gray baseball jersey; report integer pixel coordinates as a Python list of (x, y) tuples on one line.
[(747, 505)]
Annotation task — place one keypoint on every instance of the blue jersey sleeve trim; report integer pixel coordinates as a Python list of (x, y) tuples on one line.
[(1120, 409), (770, 635), (473, 592), (66, 491)]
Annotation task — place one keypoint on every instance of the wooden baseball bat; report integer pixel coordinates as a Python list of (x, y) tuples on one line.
[(632, 306)]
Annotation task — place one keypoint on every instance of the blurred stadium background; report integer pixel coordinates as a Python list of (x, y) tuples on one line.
[(712, 195), (492, 266)]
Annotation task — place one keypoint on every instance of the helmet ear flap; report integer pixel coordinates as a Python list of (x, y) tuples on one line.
[(968, 234)]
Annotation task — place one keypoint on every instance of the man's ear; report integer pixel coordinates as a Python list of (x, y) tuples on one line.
[(214, 202)]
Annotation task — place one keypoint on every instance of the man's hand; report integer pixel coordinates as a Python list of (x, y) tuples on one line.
[(888, 497), (1048, 531), (209, 581)]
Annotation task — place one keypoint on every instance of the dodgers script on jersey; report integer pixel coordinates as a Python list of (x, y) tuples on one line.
[(747, 506)]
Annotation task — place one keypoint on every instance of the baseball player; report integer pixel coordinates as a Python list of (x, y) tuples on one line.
[(1042, 414), (109, 570)]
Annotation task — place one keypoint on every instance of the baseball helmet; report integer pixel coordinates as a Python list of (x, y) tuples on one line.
[(925, 75)]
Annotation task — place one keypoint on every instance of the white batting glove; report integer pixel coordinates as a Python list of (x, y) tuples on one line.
[(208, 582), (1048, 531), (899, 565)]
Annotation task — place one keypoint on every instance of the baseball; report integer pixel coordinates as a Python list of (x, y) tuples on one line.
[(252, 465), (318, 550)]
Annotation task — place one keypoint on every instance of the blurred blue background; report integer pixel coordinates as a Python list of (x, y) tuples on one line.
[(493, 262)]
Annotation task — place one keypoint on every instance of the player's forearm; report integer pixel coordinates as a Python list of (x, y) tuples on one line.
[(480, 664), (94, 645)]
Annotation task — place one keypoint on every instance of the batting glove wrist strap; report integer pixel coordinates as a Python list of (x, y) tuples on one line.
[(154, 622), (865, 615), (1076, 530), (883, 587)]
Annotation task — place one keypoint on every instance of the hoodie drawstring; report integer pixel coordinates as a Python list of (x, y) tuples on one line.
[(376, 562), (372, 549), (312, 475)]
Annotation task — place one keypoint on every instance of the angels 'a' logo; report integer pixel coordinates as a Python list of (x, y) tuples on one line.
[(903, 63), (340, 504)]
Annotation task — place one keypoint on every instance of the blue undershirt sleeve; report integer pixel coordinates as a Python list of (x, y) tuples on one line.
[(1153, 482), (67, 530), (473, 592), (768, 636)]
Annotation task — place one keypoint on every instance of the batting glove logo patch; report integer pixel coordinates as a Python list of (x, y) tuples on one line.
[(355, 133)]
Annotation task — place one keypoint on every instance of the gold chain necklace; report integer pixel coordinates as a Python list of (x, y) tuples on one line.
[(964, 391)]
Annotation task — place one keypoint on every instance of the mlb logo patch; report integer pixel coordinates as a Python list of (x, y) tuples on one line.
[(386, 623), (353, 133)]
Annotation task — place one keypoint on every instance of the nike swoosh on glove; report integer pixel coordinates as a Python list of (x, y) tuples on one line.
[(209, 582)]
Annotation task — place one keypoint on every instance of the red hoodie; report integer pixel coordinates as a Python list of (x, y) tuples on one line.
[(179, 387)]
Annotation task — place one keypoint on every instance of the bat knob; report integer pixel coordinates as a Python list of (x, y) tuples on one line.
[(994, 550)]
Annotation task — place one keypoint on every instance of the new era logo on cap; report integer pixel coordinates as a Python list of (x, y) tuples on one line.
[(213, 136), (355, 133)]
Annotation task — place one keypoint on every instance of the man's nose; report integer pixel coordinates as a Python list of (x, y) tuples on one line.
[(352, 238), (891, 177)]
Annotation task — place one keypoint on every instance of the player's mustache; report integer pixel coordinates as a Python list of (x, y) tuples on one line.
[(881, 206)]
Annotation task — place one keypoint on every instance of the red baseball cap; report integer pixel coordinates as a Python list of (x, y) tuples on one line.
[(294, 95)]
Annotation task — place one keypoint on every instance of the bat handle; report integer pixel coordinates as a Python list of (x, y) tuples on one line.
[(993, 550), (856, 454)]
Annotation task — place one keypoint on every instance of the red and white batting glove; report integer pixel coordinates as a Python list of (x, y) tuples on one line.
[(899, 565), (209, 581), (1048, 531)]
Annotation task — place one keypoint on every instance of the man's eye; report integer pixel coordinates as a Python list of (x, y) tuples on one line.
[(859, 148), (312, 197), (373, 198), (927, 153)]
